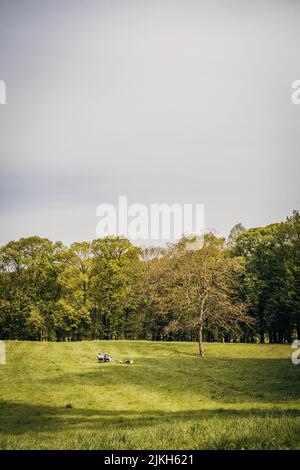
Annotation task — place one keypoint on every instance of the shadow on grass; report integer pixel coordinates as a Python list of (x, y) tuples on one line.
[(19, 418)]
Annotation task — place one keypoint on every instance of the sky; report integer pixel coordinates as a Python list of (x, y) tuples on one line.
[(162, 101)]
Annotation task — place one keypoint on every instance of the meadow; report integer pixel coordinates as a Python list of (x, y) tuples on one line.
[(239, 396)]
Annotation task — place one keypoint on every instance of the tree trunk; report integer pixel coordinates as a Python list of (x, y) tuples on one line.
[(201, 350), (262, 336), (261, 323)]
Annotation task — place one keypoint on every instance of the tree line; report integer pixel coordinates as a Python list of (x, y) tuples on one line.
[(245, 288)]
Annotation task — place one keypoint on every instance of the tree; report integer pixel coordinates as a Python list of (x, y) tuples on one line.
[(293, 229), (114, 259), (236, 231), (204, 292), (271, 279), (35, 325), (29, 269), (75, 305), (153, 305)]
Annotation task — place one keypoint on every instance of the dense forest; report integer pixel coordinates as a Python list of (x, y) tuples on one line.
[(245, 288)]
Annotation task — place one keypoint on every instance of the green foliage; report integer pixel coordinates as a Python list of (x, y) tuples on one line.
[(272, 286), (244, 289), (51, 292)]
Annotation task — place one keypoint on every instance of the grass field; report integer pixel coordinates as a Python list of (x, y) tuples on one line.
[(56, 396)]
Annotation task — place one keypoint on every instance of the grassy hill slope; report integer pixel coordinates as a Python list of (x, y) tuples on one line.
[(56, 396)]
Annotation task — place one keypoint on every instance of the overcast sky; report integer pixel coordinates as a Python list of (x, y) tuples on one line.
[(163, 101)]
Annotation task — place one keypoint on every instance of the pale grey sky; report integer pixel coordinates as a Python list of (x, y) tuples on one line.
[(163, 101)]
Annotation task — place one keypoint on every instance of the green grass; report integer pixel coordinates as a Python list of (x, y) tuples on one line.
[(56, 396)]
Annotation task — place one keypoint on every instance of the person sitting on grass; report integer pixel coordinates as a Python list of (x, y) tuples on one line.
[(100, 357), (107, 357)]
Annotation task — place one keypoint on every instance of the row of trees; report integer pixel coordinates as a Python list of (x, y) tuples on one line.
[(246, 288)]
